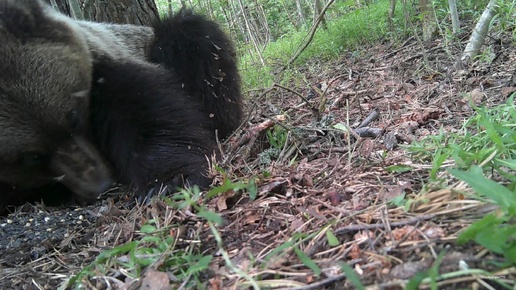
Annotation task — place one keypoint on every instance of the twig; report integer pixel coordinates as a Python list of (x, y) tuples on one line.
[(402, 47), (322, 283), (310, 36), (314, 110), (355, 228)]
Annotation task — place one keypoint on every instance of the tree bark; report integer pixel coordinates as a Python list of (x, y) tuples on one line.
[(60, 5), (390, 18), (252, 36), (300, 13), (428, 22), (319, 15), (139, 12), (479, 33), (454, 15)]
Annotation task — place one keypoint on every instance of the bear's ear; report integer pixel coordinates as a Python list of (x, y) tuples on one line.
[(31, 20)]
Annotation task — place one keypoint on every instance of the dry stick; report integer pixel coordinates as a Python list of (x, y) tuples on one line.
[(410, 58), (320, 284), (294, 92), (322, 104), (354, 228), (402, 47), (314, 110), (310, 36)]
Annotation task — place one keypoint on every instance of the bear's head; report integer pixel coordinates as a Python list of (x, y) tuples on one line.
[(45, 77)]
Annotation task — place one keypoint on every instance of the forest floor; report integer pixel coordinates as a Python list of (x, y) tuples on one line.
[(321, 184)]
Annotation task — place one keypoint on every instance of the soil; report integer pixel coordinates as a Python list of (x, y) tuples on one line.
[(322, 175)]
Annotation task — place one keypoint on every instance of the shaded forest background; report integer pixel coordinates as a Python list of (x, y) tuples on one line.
[(373, 153), (272, 35)]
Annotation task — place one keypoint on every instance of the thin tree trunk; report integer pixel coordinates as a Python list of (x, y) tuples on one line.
[(318, 15), (75, 9), (454, 15), (169, 2), (300, 13), (479, 33), (310, 36), (140, 12), (60, 5), (250, 32), (390, 19), (261, 21), (428, 21)]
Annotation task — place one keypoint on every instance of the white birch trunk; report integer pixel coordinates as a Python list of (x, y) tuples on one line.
[(479, 33)]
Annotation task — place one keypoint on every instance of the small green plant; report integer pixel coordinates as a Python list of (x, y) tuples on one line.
[(485, 158), (496, 231), (351, 27), (277, 136), (134, 257), (488, 138), (154, 246)]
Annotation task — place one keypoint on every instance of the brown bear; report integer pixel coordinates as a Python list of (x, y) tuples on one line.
[(89, 104)]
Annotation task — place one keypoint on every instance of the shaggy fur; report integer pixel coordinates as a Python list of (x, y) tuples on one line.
[(149, 129), (88, 104)]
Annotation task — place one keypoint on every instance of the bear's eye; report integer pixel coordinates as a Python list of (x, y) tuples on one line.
[(34, 159)]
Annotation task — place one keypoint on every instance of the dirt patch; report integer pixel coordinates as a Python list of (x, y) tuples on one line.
[(321, 175)]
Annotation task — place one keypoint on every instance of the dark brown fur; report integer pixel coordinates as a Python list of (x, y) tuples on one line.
[(140, 127), (44, 89), (205, 61), (152, 132)]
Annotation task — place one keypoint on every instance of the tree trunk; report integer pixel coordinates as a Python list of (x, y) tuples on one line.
[(300, 13), (249, 28), (390, 18), (428, 22), (169, 5), (479, 33), (140, 12), (318, 13), (454, 15), (60, 5), (262, 25)]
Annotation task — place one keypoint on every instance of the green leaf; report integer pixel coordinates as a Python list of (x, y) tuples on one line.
[(507, 163), (489, 127), (201, 265), (509, 250), (341, 127), (226, 186), (352, 276), (439, 158), (487, 187), (398, 200), (210, 216), (498, 239), (415, 281), (252, 189), (148, 229), (471, 232), (307, 261), (279, 249), (332, 239), (399, 168)]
